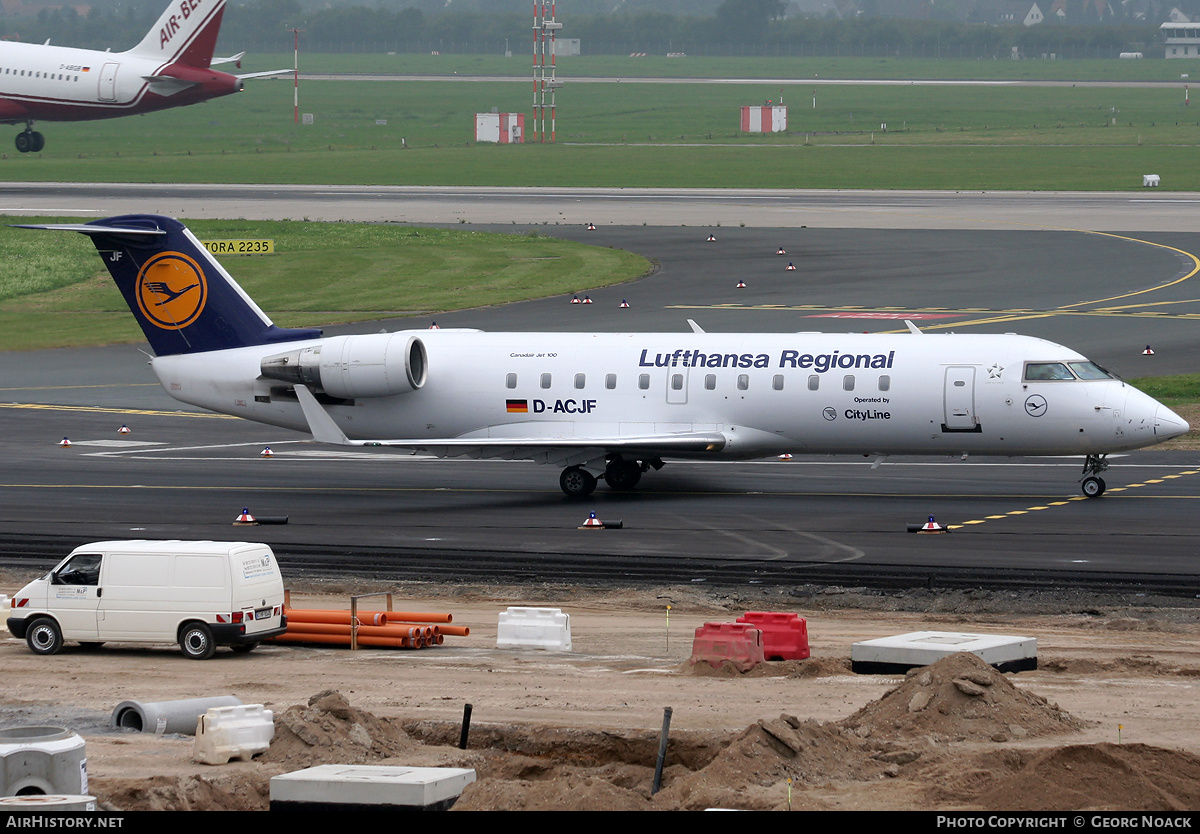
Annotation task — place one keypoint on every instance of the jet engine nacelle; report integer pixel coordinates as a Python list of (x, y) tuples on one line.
[(350, 367)]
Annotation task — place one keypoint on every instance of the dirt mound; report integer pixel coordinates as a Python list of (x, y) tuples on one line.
[(245, 791), (811, 668), (330, 731), (1101, 777), (960, 697)]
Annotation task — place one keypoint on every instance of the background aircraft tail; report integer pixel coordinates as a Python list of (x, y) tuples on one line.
[(186, 33), (183, 299)]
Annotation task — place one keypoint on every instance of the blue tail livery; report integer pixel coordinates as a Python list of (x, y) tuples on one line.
[(183, 299)]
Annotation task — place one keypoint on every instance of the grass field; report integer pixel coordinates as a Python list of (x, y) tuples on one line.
[(664, 135), (54, 291)]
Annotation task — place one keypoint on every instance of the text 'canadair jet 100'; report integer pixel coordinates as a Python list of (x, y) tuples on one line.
[(615, 405), (171, 67)]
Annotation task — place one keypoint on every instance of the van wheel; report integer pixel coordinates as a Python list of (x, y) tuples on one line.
[(196, 641), (44, 636)]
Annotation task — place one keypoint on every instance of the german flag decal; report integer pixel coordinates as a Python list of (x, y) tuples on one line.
[(517, 406)]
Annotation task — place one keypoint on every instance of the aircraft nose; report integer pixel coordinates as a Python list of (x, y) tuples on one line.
[(1168, 424)]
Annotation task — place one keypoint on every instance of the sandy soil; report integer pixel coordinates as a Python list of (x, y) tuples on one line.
[(1107, 722)]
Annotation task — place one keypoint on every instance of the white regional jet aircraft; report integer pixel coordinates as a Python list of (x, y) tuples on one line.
[(171, 67), (615, 404)]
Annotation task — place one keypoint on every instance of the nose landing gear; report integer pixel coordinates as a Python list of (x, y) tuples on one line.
[(1092, 484)]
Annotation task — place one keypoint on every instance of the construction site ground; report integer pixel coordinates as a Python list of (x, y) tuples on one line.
[(1107, 721)]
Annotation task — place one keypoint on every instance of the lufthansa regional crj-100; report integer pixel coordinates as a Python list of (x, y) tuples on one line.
[(171, 67), (615, 405)]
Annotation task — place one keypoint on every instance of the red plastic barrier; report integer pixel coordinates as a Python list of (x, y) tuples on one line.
[(785, 635), (738, 643)]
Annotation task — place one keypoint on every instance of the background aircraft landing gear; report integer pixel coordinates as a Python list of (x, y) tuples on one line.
[(30, 141), (577, 482), (1093, 485), (622, 474)]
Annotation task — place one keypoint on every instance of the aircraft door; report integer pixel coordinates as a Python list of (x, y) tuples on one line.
[(108, 82), (677, 386), (959, 399)]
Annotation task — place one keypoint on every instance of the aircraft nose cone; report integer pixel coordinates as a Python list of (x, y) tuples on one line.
[(1168, 424)]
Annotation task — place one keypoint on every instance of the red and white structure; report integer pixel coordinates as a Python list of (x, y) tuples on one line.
[(504, 128), (545, 30), (765, 118)]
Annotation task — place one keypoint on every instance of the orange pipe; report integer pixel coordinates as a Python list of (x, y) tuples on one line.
[(455, 631), (410, 617), (369, 631), (344, 640), (317, 615)]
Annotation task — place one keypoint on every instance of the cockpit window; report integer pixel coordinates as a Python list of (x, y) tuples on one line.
[(1038, 371), (1089, 370)]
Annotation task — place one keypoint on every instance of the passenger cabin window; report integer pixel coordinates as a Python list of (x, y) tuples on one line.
[(777, 382), (610, 381), (510, 381), (676, 382), (1043, 371), (710, 381), (848, 382), (580, 380), (885, 383), (814, 382), (644, 381), (545, 380), (743, 382)]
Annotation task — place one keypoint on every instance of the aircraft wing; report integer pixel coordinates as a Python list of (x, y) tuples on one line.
[(232, 59), (553, 450)]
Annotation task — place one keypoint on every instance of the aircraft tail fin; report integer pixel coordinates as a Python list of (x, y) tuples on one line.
[(186, 33), (183, 299)]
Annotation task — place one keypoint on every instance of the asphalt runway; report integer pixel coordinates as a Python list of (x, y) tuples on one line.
[(396, 516)]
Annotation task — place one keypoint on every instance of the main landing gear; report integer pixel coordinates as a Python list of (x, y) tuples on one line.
[(29, 140), (619, 473), (1092, 484)]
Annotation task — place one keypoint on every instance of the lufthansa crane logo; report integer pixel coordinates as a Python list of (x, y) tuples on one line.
[(171, 290)]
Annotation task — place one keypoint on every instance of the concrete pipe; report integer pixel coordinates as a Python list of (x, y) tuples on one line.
[(167, 716)]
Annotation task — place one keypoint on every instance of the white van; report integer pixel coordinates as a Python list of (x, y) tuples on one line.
[(199, 594)]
